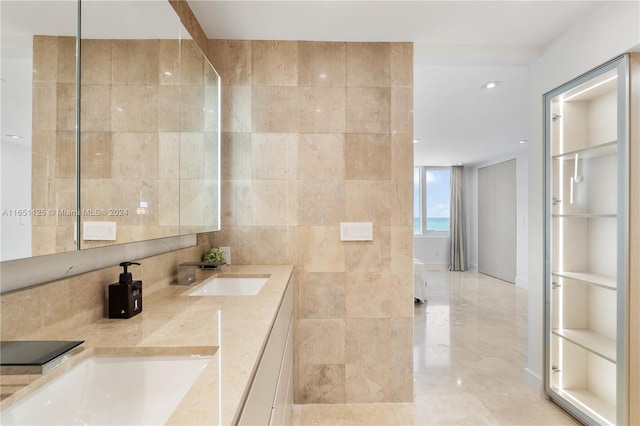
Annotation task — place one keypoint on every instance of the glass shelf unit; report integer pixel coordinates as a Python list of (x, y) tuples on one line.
[(585, 251)]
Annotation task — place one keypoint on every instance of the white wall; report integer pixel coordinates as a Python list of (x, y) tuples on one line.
[(522, 212), (432, 250), (599, 37)]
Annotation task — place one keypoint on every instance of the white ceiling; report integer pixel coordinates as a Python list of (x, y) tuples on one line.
[(458, 46)]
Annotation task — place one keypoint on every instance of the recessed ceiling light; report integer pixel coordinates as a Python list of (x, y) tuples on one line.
[(14, 136), (168, 73), (522, 141), (416, 141), (490, 84)]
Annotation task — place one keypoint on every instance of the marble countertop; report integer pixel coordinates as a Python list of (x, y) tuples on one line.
[(231, 329)]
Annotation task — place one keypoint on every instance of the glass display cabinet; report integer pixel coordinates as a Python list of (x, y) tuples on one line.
[(586, 247)]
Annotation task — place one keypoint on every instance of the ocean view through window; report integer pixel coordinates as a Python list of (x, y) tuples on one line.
[(431, 192)]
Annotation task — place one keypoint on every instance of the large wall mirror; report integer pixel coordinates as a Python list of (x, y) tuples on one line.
[(136, 159)]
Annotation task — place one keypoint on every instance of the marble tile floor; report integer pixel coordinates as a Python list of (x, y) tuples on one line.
[(469, 357)]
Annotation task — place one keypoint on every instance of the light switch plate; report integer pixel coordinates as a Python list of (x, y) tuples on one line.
[(227, 254), (356, 231), (99, 231)]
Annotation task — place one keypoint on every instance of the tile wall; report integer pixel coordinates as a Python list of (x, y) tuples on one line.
[(314, 134)]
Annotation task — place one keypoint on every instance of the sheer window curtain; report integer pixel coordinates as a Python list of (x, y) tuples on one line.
[(457, 250)]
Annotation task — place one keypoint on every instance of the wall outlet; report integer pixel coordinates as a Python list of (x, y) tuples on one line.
[(227, 254)]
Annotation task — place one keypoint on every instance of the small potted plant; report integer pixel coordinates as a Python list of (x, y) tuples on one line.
[(213, 258)]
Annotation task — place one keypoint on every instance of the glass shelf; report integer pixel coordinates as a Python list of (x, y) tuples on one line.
[(586, 215), (589, 340), (589, 278), (594, 151)]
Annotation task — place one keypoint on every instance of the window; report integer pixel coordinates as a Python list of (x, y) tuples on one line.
[(431, 194)]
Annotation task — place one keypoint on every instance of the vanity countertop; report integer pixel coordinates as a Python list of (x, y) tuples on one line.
[(173, 322)]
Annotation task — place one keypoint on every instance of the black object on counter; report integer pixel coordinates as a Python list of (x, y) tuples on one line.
[(125, 296)]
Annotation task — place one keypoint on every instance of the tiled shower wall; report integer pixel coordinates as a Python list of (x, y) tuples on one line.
[(314, 134), (145, 136)]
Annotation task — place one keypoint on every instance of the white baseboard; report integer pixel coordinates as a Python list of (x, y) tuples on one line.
[(522, 282), (533, 381), (473, 266), (436, 266)]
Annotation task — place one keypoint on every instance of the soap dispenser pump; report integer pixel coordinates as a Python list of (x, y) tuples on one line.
[(125, 296)]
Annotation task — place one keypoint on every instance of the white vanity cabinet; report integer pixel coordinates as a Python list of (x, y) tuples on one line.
[(271, 395), (586, 206)]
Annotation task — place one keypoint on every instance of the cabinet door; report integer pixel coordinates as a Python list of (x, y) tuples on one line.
[(586, 277)]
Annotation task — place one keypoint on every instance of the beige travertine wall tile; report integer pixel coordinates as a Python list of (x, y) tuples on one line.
[(368, 294), (236, 201), (368, 110), (97, 194), (134, 155), (275, 109), (66, 62), (190, 154), (401, 284), (141, 72), (65, 106), (239, 239), (191, 114), (274, 155), (369, 255), (321, 157), (43, 241), (95, 108), (321, 249), (169, 62), (274, 245), (321, 295), (401, 249), (274, 202), (236, 156), (134, 108), (321, 64), (368, 156), (236, 109), (401, 359), (363, 338), (322, 110), (169, 155), (232, 60), (320, 202), (96, 62), (43, 154), (65, 154), (368, 201), (368, 64), (402, 64), (95, 155), (45, 105), (45, 58), (401, 110), (274, 63), (322, 384), (191, 64), (367, 383), (321, 341), (168, 108)]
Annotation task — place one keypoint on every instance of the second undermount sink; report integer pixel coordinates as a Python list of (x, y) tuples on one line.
[(110, 390), (229, 286)]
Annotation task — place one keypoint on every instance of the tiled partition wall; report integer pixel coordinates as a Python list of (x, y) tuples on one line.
[(314, 134)]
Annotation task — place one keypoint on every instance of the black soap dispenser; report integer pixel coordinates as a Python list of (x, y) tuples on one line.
[(125, 296)]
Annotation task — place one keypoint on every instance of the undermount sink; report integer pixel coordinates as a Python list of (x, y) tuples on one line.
[(110, 390), (229, 286)]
